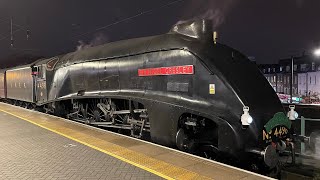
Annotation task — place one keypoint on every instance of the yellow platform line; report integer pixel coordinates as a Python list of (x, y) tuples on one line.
[(152, 165)]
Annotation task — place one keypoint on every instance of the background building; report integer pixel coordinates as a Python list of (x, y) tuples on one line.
[(306, 78)]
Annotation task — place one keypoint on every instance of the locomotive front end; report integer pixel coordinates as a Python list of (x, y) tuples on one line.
[(251, 123), (264, 128)]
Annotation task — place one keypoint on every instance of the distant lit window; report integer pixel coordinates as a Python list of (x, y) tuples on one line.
[(303, 67), (288, 79), (313, 66), (268, 69), (274, 78), (281, 68), (264, 70), (310, 80), (274, 69), (287, 68)]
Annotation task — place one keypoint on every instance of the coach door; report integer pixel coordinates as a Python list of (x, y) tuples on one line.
[(41, 85)]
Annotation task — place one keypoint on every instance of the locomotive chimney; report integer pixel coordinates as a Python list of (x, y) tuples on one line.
[(198, 28)]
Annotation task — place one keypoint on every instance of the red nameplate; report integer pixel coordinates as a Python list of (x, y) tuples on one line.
[(172, 70)]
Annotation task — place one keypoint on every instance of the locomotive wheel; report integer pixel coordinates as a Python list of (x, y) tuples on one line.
[(183, 142), (96, 116), (180, 137)]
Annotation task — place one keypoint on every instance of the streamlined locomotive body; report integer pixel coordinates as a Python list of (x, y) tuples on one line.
[(182, 89)]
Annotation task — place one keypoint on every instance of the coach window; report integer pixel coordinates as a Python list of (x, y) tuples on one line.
[(40, 71)]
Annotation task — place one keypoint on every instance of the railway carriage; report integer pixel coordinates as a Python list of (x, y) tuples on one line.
[(3, 92)]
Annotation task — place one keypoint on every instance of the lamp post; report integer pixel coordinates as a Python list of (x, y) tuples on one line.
[(291, 79), (316, 53)]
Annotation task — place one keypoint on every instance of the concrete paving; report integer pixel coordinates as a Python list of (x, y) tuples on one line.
[(36, 145), (30, 152)]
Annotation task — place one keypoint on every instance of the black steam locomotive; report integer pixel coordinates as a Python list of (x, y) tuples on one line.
[(182, 89)]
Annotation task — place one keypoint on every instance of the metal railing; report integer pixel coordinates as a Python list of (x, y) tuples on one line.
[(303, 131)]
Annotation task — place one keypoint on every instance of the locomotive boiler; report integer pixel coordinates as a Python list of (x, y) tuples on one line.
[(181, 89)]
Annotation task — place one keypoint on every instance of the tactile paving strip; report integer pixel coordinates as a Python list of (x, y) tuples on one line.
[(106, 143)]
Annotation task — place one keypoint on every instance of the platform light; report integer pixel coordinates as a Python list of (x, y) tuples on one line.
[(292, 114), (246, 119)]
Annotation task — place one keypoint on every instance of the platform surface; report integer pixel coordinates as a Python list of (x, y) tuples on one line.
[(30, 152), (34, 145)]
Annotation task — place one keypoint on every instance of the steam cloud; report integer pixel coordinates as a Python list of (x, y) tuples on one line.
[(315, 144), (317, 148), (216, 10), (97, 40)]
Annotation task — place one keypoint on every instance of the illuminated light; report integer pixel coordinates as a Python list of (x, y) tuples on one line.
[(317, 52), (249, 120), (292, 114), (246, 119)]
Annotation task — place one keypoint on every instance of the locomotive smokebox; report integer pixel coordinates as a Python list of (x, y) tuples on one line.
[(199, 29)]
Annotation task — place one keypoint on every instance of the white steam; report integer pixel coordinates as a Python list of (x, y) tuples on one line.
[(316, 145), (317, 148), (216, 10), (97, 40), (313, 148)]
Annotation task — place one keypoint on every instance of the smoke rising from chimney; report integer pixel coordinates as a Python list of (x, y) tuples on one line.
[(216, 10), (97, 40)]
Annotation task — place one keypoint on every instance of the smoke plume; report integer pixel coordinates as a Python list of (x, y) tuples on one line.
[(216, 10), (97, 40)]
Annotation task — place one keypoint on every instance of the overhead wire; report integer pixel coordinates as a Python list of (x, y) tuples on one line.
[(129, 18)]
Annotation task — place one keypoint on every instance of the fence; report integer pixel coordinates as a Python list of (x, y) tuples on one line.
[(303, 130)]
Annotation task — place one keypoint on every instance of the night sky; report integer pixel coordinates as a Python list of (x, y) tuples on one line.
[(265, 29)]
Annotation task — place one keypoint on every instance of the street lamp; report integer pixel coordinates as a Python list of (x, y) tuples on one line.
[(317, 52), (291, 79)]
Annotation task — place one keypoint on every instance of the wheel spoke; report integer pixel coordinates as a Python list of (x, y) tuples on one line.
[(90, 114)]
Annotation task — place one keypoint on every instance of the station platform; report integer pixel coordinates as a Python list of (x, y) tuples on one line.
[(34, 145)]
